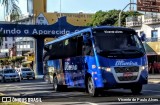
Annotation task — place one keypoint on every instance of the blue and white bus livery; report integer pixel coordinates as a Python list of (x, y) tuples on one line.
[(98, 58)]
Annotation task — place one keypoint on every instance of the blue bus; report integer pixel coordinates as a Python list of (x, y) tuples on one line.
[(98, 58)]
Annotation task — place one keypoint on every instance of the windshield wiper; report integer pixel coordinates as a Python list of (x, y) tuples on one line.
[(114, 51), (132, 50)]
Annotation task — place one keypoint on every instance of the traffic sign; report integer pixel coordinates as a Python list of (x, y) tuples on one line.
[(148, 5)]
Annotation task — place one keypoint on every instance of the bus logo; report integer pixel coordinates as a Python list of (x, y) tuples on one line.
[(68, 59), (123, 63), (70, 67)]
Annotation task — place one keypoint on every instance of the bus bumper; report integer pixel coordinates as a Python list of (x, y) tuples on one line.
[(110, 82)]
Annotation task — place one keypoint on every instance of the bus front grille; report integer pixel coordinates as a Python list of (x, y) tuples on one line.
[(126, 69), (130, 78)]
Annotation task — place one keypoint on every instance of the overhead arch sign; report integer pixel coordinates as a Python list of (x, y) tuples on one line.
[(61, 27)]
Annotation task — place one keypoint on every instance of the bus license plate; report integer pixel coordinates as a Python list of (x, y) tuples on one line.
[(128, 74)]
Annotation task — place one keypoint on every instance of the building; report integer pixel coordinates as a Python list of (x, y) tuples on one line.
[(24, 45), (24, 19), (148, 25), (7, 43)]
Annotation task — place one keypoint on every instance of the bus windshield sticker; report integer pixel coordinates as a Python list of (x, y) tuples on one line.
[(113, 31)]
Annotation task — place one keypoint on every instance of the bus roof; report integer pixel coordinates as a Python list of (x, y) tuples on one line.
[(86, 30)]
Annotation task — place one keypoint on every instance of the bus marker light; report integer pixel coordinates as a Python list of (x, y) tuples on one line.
[(99, 67)]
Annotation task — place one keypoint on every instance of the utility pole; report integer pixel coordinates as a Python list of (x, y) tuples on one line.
[(130, 8), (119, 19), (60, 9)]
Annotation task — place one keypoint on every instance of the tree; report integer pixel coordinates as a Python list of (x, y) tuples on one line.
[(110, 17), (15, 15), (10, 6)]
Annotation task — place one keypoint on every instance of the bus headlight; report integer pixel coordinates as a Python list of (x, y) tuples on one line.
[(145, 67), (108, 69)]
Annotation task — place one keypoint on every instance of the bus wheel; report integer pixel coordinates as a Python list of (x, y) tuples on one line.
[(91, 87), (55, 84), (136, 89)]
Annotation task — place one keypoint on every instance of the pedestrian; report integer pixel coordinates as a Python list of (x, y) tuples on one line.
[(150, 68), (155, 66)]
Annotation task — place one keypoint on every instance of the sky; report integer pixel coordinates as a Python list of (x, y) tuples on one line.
[(75, 6)]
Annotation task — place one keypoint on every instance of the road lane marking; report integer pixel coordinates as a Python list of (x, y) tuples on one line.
[(151, 91), (1, 94), (90, 103), (120, 103)]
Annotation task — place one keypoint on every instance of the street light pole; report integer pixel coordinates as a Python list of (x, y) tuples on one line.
[(60, 9), (119, 19)]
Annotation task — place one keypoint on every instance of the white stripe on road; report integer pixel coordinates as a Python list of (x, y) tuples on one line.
[(90, 103), (118, 103), (152, 91)]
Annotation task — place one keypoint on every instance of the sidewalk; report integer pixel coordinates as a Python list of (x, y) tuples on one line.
[(154, 78)]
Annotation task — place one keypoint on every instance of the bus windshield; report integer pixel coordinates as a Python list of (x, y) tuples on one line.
[(118, 44)]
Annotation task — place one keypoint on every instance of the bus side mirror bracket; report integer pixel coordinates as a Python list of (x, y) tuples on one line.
[(85, 39)]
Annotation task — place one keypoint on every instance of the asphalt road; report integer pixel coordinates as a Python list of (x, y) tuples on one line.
[(43, 91)]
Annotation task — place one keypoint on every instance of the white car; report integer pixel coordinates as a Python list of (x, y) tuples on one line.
[(27, 73), (9, 75)]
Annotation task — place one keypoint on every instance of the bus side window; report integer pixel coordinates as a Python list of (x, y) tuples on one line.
[(72, 47), (79, 45), (87, 48)]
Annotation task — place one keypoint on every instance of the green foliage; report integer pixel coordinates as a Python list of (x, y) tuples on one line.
[(15, 15), (13, 60), (24, 65), (19, 59), (4, 61), (11, 7), (110, 17)]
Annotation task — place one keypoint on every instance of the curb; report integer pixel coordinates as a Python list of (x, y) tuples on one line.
[(154, 81)]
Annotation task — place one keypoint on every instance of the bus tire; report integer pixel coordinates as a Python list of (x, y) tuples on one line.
[(136, 89), (56, 87), (3, 80), (91, 87)]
